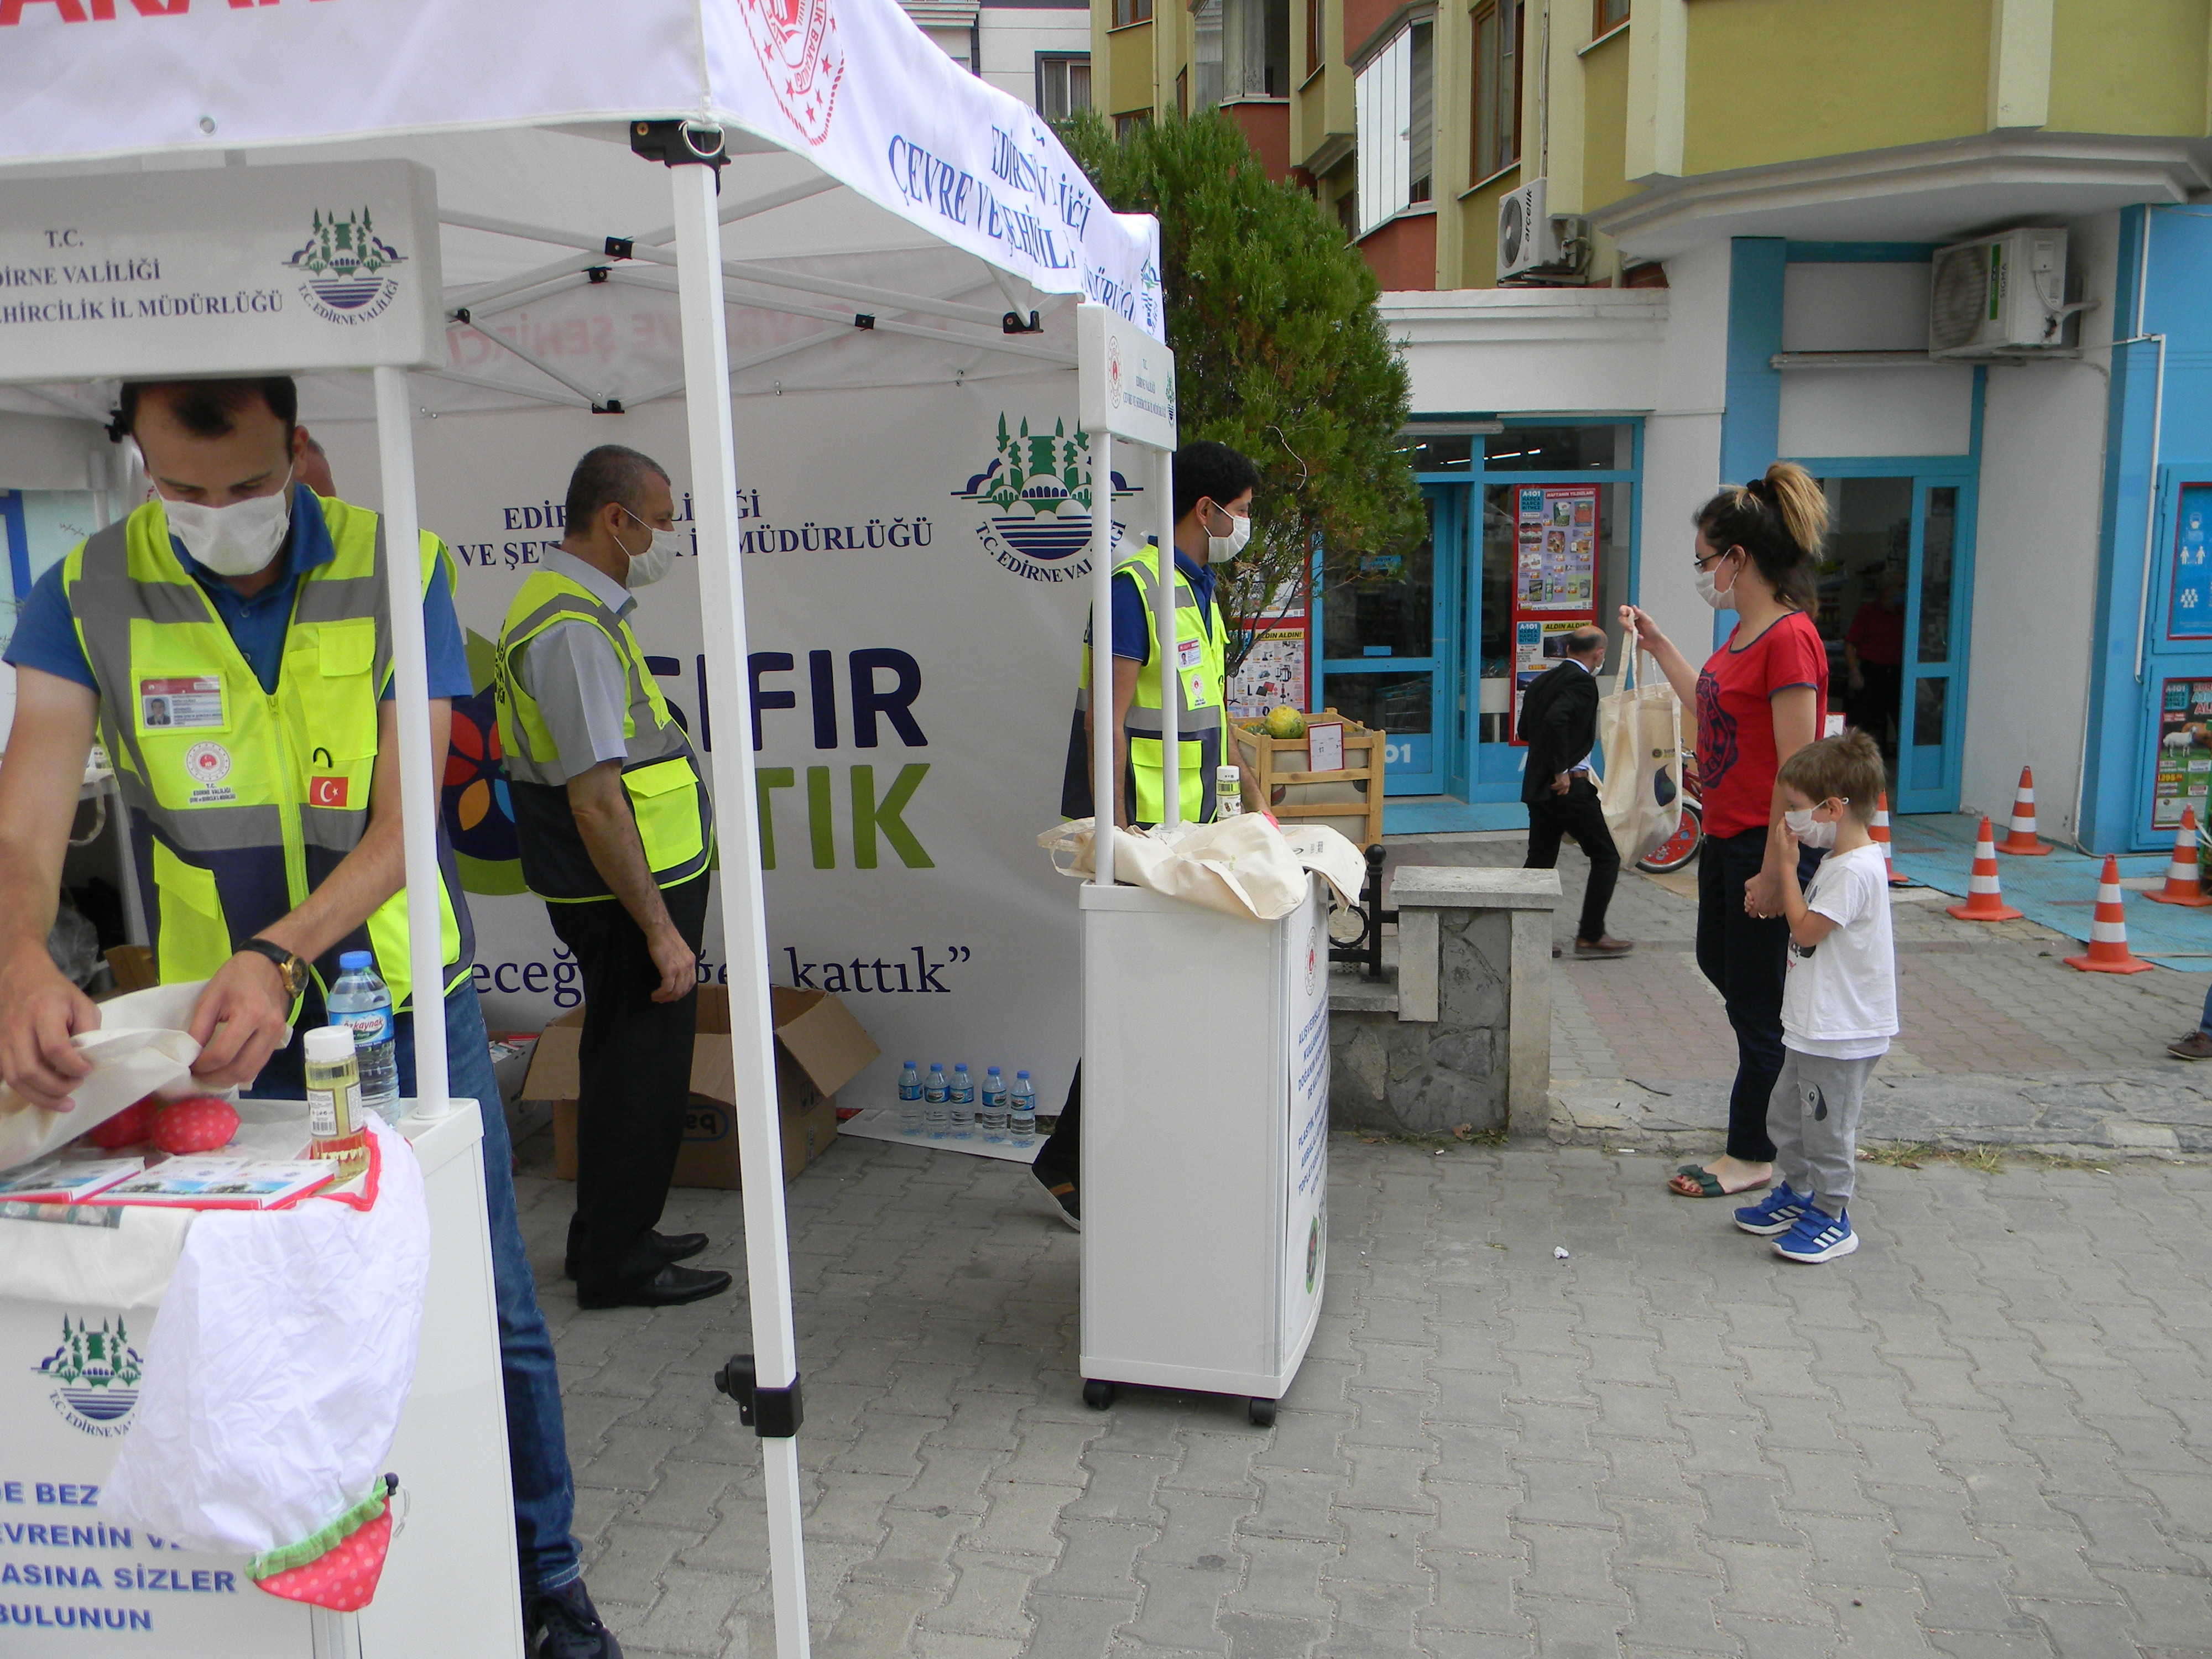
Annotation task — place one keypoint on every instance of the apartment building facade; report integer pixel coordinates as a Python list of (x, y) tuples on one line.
[(1037, 49), (1744, 250)]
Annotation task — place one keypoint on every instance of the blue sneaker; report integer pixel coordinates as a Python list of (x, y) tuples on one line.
[(1775, 1213), (1818, 1236)]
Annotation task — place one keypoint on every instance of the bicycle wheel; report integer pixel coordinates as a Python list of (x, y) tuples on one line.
[(1679, 848)]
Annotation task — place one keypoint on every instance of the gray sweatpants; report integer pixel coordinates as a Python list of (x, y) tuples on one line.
[(1813, 1118)]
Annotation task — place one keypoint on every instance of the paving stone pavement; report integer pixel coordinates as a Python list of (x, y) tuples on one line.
[(1988, 1432), (1993, 1024)]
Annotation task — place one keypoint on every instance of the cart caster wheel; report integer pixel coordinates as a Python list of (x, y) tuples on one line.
[(1097, 1394), (1262, 1412)]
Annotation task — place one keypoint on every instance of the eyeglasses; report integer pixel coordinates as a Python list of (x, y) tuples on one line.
[(1707, 563)]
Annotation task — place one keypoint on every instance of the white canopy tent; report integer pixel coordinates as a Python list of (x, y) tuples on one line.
[(874, 216)]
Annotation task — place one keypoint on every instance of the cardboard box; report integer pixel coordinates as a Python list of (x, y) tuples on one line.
[(819, 1047)]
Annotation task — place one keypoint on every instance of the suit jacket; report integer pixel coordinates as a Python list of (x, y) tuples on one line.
[(1558, 722)]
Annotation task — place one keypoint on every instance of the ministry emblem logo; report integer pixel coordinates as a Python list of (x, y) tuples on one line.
[(95, 1374), (347, 266), (1039, 486), (803, 58)]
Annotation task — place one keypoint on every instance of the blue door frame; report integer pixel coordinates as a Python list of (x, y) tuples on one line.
[(1480, 782)]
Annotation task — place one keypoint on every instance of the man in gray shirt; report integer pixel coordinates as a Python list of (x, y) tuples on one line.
[(615, 832)]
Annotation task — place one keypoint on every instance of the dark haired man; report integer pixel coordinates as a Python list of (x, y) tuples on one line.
[(231, 642), (1214, 486), (615, 831), (1558, 722)]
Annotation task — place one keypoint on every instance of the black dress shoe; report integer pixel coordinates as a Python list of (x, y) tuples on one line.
[(673, 1246), (671, 1287)]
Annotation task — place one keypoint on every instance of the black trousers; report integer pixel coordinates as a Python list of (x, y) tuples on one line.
[(1745, 957), (1876, 708), (634, 1064), (1060, 1157), (1577, 813)]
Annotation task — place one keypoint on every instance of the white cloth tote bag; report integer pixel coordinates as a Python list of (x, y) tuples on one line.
[(1639, 733)]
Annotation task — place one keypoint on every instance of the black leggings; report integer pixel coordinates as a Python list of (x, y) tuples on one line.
[(1745, 958)]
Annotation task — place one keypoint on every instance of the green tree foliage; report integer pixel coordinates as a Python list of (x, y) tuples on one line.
[(1280, 350)]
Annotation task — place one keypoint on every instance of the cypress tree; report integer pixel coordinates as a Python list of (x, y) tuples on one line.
[(1280, 352)]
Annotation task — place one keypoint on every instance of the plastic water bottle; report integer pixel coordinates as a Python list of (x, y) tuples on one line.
[(360, 1002), (962, 1103), (936, 1110), (1021, 1119), (993, 1115), (909, 1101)]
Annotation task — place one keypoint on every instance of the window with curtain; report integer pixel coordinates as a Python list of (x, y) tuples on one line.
[(1063, 84), (1393, 104), (1256, 49), (1498, 37), (1204, 87)]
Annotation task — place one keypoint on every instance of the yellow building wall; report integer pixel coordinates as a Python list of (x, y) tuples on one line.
[(1787, 80), (2135, 66), (1478, 233), (1605, 125), (1129, 70)]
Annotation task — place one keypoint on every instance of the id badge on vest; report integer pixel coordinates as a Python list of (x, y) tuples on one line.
[(1190, 663), (184, 704)]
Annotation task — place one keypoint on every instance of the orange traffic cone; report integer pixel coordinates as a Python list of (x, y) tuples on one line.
[(1881, 833), (2108, 930), (1983, 902), (2019, 839), (2184, 884)]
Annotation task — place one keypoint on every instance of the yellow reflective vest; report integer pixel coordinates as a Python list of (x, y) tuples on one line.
[(242, 801), (1202, 674), (660, 775)]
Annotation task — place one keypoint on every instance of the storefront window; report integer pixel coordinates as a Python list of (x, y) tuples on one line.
[(1440, 451), (1501, 556), (1560, 449)]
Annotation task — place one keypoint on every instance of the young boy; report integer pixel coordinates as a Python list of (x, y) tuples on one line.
[(1838, 1002)]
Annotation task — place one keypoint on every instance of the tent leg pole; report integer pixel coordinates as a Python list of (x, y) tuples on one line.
[(418, 773), (1168, 646), (1105, 788), (744, 920)]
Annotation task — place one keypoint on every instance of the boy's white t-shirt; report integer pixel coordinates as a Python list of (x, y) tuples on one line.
[(1839, 998)]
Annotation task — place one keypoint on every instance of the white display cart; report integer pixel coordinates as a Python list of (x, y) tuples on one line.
[(448, 1584), (1205, 1168)]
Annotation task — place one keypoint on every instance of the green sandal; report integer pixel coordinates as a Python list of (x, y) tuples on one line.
[(1709, 1184)]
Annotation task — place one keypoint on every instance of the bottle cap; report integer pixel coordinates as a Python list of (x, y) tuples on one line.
[(936, 1065), (349, 960), (327, 1045), (1021, 1074), (1222, 774), (993, 1071), (908, 1064), (962, 1066)]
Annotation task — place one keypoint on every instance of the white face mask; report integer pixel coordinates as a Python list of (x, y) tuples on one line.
[(1709, 593), (1802, 825), (238, 540), (1227, 547), (650, 566)]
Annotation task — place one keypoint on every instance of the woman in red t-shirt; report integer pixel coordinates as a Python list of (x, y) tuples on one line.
[(1761, 697)]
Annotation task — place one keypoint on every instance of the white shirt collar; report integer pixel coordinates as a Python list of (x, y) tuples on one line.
[(601, 586)]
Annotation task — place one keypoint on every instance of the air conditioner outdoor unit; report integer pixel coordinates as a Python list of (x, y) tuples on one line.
[(1527, 236), (1998, 294)]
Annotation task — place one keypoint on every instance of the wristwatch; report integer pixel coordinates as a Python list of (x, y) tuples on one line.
[(293, 971)]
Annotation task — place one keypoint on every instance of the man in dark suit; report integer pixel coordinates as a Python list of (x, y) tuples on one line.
[(1558, 722)]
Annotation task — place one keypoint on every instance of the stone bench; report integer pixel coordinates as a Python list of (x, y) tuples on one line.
[(1464, 1034)]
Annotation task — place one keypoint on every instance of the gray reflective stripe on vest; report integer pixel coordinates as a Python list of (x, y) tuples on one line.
[(648, 741), (1145, 722)]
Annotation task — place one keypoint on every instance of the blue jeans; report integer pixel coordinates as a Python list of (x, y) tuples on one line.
[(2204, 1022), (537, 1444)]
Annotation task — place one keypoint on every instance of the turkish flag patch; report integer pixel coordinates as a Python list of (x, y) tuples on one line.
[(327, 792)]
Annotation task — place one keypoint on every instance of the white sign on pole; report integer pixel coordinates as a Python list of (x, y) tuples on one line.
[(1127, 379), (221, 270)]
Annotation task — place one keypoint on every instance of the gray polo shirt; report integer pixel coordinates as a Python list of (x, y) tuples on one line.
[(571, 671)]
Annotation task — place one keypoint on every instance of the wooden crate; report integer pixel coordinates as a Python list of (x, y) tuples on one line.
[(1349, 801)]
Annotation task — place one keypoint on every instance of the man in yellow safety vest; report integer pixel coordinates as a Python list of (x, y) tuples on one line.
[(616, 832), (231, 643), (1214, 486)]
